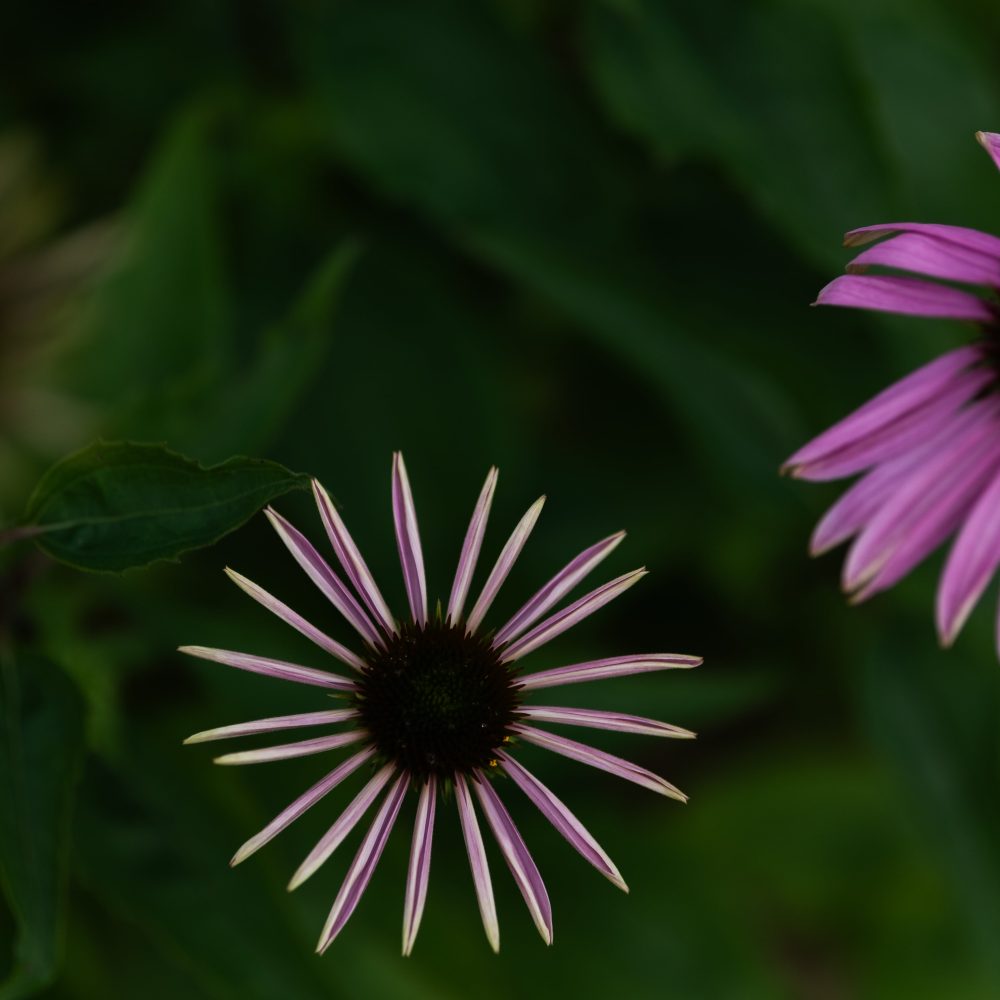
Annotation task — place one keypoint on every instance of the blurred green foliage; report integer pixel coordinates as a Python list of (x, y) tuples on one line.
[(576, 240)]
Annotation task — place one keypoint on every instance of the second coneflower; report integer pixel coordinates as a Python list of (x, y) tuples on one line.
[(928, 446), (434, 702)]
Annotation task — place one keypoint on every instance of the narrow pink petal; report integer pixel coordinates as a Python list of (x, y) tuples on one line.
[(477, 861), (517, 856), (290, 617), (599, 670), (325, 579), (870, 493), (899, 400), (570, 616), (350, 559), (420, 864), (560, 585), (304, 748), (973, 560), (598, 758), (470, 548), (594, 719), (304, 802), (990, 141), (411, 556), (363, 866), (933, 257), (906, 296), (342, 826), (973, 239), (559, 815), (270, 668), (508, 556), (900, 435), (274, 724), (923, 510)]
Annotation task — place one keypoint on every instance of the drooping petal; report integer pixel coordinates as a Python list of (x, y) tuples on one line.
[(562, 620), (906, 296), (351, 560), (303, 748), (990, 141), (270, 668), (560, 585), (470, 548), (325, 579), (420, 864), (517, 856), (274, 724), (923, 511), (342, 826), (477, 861), (363, 865), (594, 719), (287, 615), (411, 556), (933, 257), (304, 802), (973, 560), (598, 758), (507, 558), (903, 398), (973, 239), (559, 815), (599, 670)]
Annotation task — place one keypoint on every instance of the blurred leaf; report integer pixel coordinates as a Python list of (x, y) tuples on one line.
[(117, 505), (41, 735)]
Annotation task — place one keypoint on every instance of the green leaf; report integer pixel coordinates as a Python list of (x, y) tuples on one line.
[(118, 505), (41, 735)]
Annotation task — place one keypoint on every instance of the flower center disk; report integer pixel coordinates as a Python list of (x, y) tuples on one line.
[(436, 700)]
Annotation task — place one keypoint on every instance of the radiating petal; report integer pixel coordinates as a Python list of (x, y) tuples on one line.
[(508, 556), (598, 758), (304, 748), (517, 856), (350, 559), (933, 257), (562, 620), (923, 510), (287, 615), (270, 668), (363, 865), (599, 670), (411, 557), (559, 815), (342, 826), (325, 579), (304, 802), (274, 724), (973, 239), (906, 296), (973, 560), (990, 141), (594, 719), (477, 861), (560, 585), (470, 548), (420, 864)]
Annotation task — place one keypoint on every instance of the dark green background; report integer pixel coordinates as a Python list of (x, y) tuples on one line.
[(575, 240)]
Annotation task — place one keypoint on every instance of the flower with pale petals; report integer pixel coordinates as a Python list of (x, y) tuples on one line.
[(928, 447), (437, 703)]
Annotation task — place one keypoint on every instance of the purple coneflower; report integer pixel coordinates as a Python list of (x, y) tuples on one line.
[(436, 703), (929, 446)]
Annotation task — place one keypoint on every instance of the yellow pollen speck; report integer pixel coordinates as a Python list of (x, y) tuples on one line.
[(494, 762)]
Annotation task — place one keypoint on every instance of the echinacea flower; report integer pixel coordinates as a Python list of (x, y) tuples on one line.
[(435, 703), (929, 445)]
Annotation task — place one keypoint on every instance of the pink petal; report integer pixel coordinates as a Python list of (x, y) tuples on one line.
[(906, 296), (411, 556), (599, 670), (304, 748), (420, 864), (270, 668), (477, 861), (470, 548), (990, 141), (594, 719), (972, 239), (274, 724), (933, 257)]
